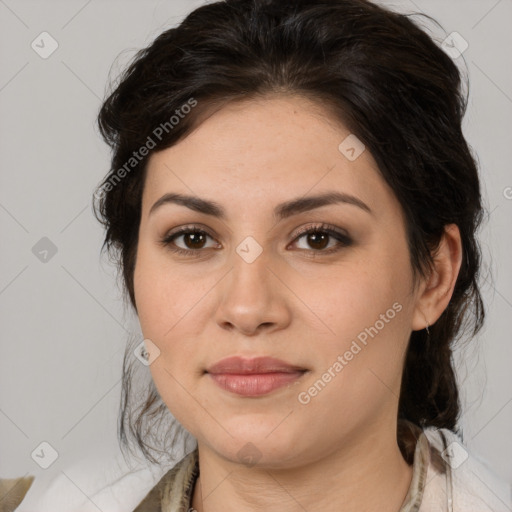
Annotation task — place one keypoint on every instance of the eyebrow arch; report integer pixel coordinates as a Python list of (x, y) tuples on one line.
[(282, 211)]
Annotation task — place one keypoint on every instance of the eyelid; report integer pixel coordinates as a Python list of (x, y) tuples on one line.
[(323, 227), (186, 229)]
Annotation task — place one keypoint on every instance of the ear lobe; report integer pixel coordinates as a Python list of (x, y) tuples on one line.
[(438, 287)]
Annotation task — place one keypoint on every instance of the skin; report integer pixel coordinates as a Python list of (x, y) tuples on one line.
[(339, 449)]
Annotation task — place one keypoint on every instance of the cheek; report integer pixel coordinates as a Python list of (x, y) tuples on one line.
[(165, 311), (171, 310), (358, 372), (162, 295), (366, 308), (360, 294)]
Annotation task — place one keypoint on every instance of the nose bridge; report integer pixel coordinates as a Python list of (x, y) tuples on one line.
[(251, 295), (249, 286)]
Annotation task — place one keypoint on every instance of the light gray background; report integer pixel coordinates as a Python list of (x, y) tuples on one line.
[(63, 321)]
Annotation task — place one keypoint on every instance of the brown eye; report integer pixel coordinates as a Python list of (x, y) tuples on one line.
[(193, 240), (318, 238)]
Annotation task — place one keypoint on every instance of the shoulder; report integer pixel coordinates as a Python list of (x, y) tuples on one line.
[(465, 479), (13, 491)]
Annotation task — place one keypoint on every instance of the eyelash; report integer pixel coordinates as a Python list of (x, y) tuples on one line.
[(343, 239)]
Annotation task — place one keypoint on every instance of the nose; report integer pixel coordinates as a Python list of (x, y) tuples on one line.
[(252, 299)]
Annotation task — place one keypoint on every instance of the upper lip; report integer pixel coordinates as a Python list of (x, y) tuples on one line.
[(240, 365)]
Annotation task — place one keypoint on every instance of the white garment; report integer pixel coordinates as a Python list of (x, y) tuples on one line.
[(90, 485), (473, 487)]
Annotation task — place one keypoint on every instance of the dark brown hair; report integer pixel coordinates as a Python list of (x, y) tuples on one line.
[(376, 71)]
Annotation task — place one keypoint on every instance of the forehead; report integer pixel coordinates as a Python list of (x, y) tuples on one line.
[(254, 152)]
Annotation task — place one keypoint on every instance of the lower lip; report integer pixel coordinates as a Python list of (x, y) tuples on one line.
[(254, 384)]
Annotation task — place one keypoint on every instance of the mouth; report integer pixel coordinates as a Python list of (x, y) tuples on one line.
[(253, 377)]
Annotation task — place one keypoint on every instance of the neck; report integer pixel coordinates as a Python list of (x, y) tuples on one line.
[(367, 473)]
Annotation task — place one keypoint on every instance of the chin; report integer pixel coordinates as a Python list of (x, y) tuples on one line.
[(263, 447)]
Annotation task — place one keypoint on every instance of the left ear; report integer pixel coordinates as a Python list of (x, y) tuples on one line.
[(437, 289)]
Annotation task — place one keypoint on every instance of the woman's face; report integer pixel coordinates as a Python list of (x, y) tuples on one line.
[(337, 306)]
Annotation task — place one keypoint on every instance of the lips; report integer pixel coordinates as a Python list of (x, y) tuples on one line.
[(253, 377), (257, 365)]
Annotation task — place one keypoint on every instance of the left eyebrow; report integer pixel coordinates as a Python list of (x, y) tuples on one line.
[(304, 204), (282, 211)]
